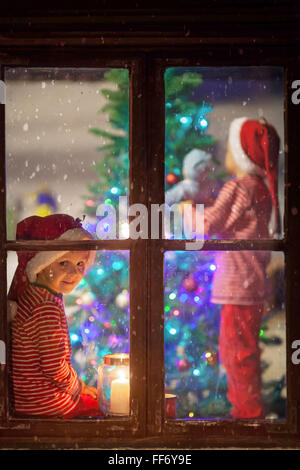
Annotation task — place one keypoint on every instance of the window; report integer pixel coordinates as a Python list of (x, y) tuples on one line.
[(49, 174), (201, 103), (182, 277), (145, 298), (50, 152)]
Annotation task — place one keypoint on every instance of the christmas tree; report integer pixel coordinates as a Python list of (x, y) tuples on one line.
[(186, 121), (191, 336), (99, 309), (98, 312)]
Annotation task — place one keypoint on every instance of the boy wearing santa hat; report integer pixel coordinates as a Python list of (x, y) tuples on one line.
[(44, 381), (242, 210)]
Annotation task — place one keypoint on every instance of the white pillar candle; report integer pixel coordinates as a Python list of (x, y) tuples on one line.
[(119, 398)]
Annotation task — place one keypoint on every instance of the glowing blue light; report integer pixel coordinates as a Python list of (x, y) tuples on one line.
[(183, 298), (114, 190), (203, 123), (87, 331), (185, 120), (196, 372), (74, 337), (117, 265), (213, 267), (196, 298), (173, 331), (100, 271)]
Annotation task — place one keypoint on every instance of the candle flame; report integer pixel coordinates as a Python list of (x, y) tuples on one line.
[(122, 374)]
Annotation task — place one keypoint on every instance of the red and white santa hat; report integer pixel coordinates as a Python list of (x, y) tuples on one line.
[(255, 146), (53, 227)]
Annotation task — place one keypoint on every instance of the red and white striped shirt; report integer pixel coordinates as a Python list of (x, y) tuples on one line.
[(241, 211), (44, 381)]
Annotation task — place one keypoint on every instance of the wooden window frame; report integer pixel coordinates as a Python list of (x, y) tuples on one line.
[(147, 425)]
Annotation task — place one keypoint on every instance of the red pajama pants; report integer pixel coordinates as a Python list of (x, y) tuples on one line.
[(87, 406), (240, 354)]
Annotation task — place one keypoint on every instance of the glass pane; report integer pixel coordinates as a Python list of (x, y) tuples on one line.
[(225, 345), (67, 145), (46, 368), (224, 148)]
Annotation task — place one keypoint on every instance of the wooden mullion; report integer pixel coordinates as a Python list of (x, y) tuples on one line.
[(156, 357), (49, 245), (3, 267), (209, 245), (138, 252), (156, 168), (228, 245), (292, 224)]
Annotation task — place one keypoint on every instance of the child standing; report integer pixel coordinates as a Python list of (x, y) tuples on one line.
[(44, 381), (243, 211)]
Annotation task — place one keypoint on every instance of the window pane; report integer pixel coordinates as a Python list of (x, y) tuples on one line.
[(97, 314), (225, 333), (220, 147), (66, 144)]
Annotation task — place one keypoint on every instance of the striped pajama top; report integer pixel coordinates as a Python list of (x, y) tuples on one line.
[(241, 211), (44, 381)]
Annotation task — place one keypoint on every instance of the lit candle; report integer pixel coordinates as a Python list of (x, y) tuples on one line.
[(119, 398)]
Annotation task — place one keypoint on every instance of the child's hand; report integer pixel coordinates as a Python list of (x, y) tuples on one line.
[(86, 390)]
